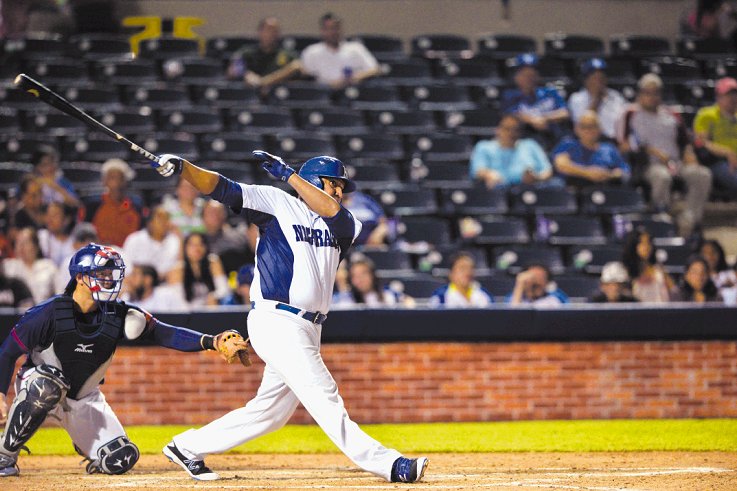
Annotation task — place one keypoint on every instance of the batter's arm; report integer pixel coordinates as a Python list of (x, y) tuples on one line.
[(318, 200)]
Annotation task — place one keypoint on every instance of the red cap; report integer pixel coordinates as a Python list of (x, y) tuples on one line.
[(725, 85)]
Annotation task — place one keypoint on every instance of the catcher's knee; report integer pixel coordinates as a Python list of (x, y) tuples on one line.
[(44, 389), (115, 457)]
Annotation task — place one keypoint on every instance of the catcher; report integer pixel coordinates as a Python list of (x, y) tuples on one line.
[(70, 340)]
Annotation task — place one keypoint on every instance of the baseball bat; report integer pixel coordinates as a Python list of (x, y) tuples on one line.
[(40, 91)]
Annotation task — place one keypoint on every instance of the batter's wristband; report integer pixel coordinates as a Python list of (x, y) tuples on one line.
[(207, 342)]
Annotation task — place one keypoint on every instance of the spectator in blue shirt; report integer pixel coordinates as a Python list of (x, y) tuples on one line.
[(542, 109), (371, 214), (585, 159), (508, 159)]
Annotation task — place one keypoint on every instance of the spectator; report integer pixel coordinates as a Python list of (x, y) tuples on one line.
[(542, 109), (710, 19), (533, 287), (145, 290), (649, 128), (716, 135), (595, 96), (56, 243), (336, 62), (614, 285), (14, 18), (358, 285), (587, 160), (200, 273), (116, 214), (650, 282), (155, 245), (14, 293), (28, 264), (185, 210), (462, 290), (30, 212), (375, 231), (268, 62), (82, 234), (234, 245), (696, 285), (55, 187), (720, 273), (509, 160)]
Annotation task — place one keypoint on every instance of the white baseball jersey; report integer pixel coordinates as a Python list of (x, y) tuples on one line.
[(298, 251)]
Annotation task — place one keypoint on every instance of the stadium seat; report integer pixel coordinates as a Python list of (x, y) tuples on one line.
[(298, 147), (97, 99), (591, 259), (500, 286), (554, 70), (673, 258), (419, 286), (476, 71), (477, 200), (54, 123), (229, 146), (515, 258), (13, 173), (9, 122), (433, 230), (698, 93), (531, 201), (480, 123), (672, 69), (136, 71), (440, 175), (374, 176), (573, 45), (165, 47), (501, 230), (441, 46), (704, 49), (91, 149), (620, 70), (439, 97), (238, 171), (384, 47), (102, 46), (372, 146), (639, 45), (611, 200), (225, 96), (663, 231), (21, 147), (223, 47), (333, 120), (265, 120), (404, 72), (504, 46), (58, 71), (408, 201), (438, 260), (569, 230), (387, 262), (298, 42), (373, 98), (301, 95), (192, 70), (718, 68), (577, 287), (39, 47), (185, 147), (403, 122), (130, 121), (441, 147), (157, 98)]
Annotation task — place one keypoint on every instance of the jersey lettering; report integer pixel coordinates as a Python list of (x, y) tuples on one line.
[(315, 237)]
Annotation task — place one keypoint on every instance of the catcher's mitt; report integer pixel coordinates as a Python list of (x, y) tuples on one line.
[(231, 346)]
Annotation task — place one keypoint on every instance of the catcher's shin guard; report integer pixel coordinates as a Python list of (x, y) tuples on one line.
[(115, 457), (40, 393)]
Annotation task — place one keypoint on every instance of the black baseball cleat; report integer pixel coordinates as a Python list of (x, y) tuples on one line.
[(195, 468), (409, 470)]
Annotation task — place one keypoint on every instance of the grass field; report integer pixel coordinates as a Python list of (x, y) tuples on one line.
[(525, 436)]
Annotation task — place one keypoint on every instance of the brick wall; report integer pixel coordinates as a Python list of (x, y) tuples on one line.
[(416, 382)]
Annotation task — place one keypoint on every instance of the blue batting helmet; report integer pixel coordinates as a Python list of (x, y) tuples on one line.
[(325, 166), (103, 267)]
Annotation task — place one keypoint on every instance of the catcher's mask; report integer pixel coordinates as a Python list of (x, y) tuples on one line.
[(102, 269)]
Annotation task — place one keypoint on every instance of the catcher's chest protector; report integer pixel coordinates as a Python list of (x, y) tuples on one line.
[(81, 355)]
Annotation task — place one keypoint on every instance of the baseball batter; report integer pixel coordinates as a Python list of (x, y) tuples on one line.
[(70, 340), (301, 242)]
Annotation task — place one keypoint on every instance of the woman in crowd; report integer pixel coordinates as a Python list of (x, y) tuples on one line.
[(56, 242), (696, 285), (201, 274), (650, 282), (30, 266), (185, 209), (462, 290), (358, 285)]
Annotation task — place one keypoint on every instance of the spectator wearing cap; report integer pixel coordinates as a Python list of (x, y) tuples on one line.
[(715, 128), (542, 109), (651, 132), (614, 285), (596, 96), (509, 160), (586, 159), (116, 213)]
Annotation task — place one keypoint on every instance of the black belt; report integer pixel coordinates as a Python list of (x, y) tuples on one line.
[(314, 317)]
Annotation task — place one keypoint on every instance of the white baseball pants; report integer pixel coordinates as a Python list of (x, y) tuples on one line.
[(294, 373)]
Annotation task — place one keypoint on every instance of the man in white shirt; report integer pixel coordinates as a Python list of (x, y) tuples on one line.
[(596, 96), (154, 245), (336, 62)]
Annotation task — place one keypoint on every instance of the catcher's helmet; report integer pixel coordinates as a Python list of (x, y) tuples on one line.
[(103, 270), (325, 166)]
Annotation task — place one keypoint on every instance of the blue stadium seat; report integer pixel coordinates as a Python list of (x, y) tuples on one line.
[(578, 287), (439, 97), (333, 120), (499, 285), (374, 176), (611, 200), (480, 123), (477, 200), (403, 122), (265, 120), (192, 70), (229, 146), (191, 121), (372, 146), (441, 46), (433, 230), (102, 46), (373, 98), (639, 45), (554, 201), (440, 175), (515, 258), (504, 46), (383, 46), (404, 72), (130, 121), (591, 259), (91, 149), (388, 262), (573, 45), (498, 230), (673, 257), (570, 230), (476, 71), (168, 47), (441, 147), (157, 98), (419, 286), (298, 147), (184, 146), (408, 201), (118, 72), (225, 96), (223, 47), (54, 123), (306, 95), (96, 99)]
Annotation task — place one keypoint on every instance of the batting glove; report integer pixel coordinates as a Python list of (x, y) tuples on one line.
[(169, 165), (274, 165)]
